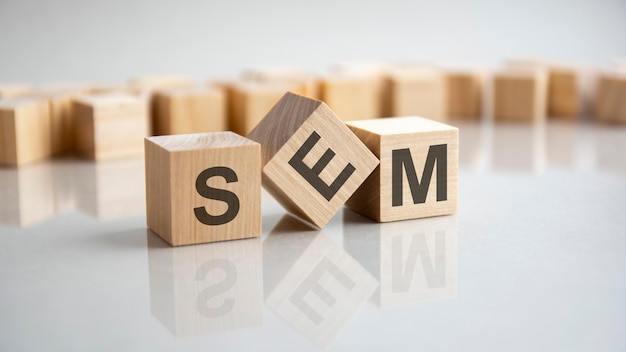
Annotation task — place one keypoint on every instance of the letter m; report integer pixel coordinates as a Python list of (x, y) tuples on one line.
[(401, 159)]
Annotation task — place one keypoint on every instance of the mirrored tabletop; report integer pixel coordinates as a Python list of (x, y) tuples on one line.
[(535, 259)]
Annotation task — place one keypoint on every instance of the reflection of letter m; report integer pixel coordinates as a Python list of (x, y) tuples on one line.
[(311, 284), (401, 158)]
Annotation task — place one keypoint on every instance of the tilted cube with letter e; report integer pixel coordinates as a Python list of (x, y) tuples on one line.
[(313, 163), (418, 172), (203, 187)]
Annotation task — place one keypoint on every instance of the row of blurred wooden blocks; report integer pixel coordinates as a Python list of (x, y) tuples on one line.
[(107, 122)]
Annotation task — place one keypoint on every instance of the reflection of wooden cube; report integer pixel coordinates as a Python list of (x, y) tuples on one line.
[(415, 261), (24, 131), (610, 104), (417, 91), (465, 94), (110, 126), (411, 151), (204, 289), (352, 97), (520, 95), (27, 194), (203, 187), (189, 110), (110, 189), (313, 163), (249, 102), (311, 282)]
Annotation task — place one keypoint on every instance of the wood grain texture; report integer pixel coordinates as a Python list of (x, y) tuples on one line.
[(173, 165), (416, 135), (24, 131), (283, 133), (110, 126), (189, 110), (520, 95), (465, 94), (352, 97), (610, 100), (417, 90)]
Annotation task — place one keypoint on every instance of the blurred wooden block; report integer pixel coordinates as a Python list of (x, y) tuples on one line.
[(160, 81), (14, 90), (417, 91), (189, 110), (304, 81), (249, 102), (564, 96), (203, 187), (24, 131), (312, 162), (351, 97), (110, 126), (411, 150), (610, 102), (62, 124), (465, 94), (520, 95), (375, 72)]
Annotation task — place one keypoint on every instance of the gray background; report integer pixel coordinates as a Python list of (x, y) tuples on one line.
[(108, 41)]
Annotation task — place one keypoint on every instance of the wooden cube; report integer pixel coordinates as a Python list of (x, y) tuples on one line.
[(417, 91), (24, 131), (160, 81), (249, 102), (304, 81), (110, 126), (411, 151), (204, 289), (189, 110), (311, 282), (376, 72), (415, 261), (203, 187), (351, 97), (14, 90), (62, 124), (564, 96), (312, 162), (610, 102), (520, 95), (465, 94)]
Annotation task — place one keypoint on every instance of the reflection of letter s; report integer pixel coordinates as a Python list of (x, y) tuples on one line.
[(226, 284), (228, 197)]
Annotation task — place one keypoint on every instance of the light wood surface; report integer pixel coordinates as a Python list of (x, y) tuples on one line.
[(24, 131), (398, 143), (305, 81), (189, 110), (181, 194), (417, 90), (520, 95), (465, 94), (352, 97), (151, 82), (110, 126), (291, 172), (610, 100)]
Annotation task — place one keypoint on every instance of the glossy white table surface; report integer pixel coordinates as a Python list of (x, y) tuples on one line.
[(535, 260)]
